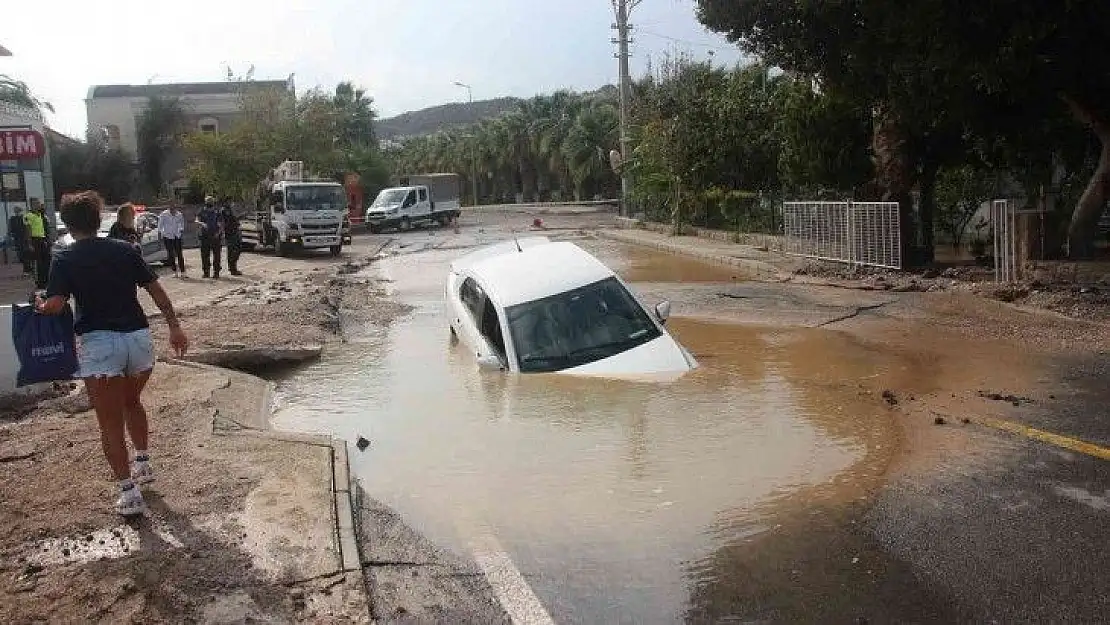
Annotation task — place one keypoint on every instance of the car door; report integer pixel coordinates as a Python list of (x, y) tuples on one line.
[(422, 201), (409, 208), (470, 297), (149, 239)]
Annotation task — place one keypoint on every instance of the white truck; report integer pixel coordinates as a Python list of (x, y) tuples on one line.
[(419, 199), (293, 212)]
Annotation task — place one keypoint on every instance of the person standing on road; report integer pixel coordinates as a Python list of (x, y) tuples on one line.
[(124, 227), (40, 249), (171, 227), (115, 349), (18, 240), (233, 236), (211, 238)]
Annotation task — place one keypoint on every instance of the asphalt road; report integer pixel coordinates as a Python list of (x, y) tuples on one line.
[(768, 487)]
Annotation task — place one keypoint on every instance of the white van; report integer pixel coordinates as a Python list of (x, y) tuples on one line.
[(427, 198)]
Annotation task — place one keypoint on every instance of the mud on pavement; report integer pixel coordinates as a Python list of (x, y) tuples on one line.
[(240, 527)]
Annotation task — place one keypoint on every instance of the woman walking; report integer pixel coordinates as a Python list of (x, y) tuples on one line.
[(115, 350)]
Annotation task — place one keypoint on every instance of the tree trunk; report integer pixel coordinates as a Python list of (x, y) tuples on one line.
[(893, 171), (1084, 220)]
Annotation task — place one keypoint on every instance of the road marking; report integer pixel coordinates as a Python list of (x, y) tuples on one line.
[(514, 593), (1059, 440)]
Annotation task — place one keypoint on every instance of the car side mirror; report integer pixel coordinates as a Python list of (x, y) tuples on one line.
[(663, 311), (490, 363)]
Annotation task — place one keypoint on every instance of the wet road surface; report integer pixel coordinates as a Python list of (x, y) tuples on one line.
[(623, 502)]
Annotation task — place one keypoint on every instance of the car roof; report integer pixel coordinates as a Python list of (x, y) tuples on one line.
[(536, 271)]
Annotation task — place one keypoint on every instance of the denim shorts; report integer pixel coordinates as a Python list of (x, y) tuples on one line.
[(108, 354)]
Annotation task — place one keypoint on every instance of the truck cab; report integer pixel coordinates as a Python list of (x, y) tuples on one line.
[(295, 214), (420, 199)]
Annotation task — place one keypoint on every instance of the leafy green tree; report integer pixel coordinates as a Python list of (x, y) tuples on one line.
[(17, 92), (939, 72), (961, 191), (161, 126), (331, 132), (79, 166)]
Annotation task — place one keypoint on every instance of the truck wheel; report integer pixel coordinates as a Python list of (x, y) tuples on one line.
[(406, 224), (336, 250)]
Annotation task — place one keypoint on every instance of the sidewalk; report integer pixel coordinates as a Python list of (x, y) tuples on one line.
[(241, 522), (244, 523), (761, 264)]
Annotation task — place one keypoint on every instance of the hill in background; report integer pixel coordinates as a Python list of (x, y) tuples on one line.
[(436, 118), (433, 119)]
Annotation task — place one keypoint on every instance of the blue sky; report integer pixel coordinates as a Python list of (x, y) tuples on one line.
[(406, 53)]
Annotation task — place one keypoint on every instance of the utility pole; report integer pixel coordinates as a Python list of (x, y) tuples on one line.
[(473, 147), (621, 9)]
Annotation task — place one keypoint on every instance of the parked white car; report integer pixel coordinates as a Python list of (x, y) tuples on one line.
[(145, 223), (533, 305)]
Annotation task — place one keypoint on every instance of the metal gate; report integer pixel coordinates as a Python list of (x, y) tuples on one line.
[(859, 233)]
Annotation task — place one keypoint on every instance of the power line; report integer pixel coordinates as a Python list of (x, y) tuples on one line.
[(688, 42)]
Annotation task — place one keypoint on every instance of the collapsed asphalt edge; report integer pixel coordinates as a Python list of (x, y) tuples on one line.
[(342, 511)]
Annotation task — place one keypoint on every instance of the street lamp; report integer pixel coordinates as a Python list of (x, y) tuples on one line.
[(473, 146)]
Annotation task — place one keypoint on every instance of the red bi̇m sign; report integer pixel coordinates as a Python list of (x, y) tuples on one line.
[(21, 144)]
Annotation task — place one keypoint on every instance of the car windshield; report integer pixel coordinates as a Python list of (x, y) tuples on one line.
[(323, 197), (390, 197), (578, 327)]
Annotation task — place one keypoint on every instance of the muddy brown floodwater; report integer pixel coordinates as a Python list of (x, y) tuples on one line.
[(615, 499)]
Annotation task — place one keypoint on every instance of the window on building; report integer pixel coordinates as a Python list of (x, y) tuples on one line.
[(111, 136), (209, 124)]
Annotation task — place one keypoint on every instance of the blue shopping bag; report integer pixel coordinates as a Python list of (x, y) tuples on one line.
[(45, 345)]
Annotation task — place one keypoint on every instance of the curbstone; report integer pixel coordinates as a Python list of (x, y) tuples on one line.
[(341, 468)]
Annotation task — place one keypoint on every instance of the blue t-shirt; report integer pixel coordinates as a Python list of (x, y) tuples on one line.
[(103, 276)]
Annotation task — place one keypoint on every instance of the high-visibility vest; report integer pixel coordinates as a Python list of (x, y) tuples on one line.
[(35, 225)]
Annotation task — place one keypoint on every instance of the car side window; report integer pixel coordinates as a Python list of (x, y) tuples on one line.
[(491, 329), (423, 195), (410, 200), (471, 295)]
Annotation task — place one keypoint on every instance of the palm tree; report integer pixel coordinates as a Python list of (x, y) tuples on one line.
[(18, 93), (159, 132), (587, 145)]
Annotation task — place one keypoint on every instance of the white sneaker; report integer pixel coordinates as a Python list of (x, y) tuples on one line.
[(130, 502), (141, 473)]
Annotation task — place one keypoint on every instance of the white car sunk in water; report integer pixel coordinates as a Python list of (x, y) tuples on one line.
[(532, 305)]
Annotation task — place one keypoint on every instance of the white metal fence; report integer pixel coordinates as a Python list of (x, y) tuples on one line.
[(859, 233), (1004, 226)]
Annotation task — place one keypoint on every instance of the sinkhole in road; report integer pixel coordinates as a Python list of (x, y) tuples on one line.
[(614, 498)]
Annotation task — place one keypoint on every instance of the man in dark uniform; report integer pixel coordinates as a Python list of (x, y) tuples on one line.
[(18, 239), (211, 238), (233, 237)]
